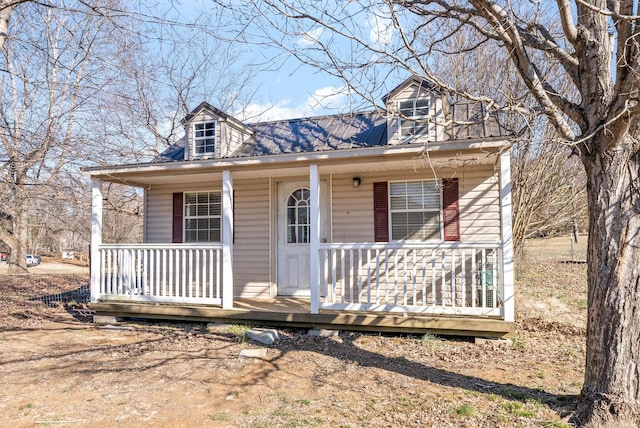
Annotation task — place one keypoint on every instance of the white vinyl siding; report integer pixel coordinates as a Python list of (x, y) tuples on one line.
[(202, 217), (479, 203), (251, 249), (414, 211)]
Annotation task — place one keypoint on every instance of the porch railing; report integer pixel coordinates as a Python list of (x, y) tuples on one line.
[(446, 278), (177, 273)]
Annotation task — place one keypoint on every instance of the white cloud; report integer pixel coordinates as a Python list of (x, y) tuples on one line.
[(380, 28), (327, 100), (310, 38), (329, 97)]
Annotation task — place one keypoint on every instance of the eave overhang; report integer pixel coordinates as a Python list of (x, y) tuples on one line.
[(143, 175)]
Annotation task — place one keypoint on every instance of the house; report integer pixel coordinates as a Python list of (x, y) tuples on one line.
[(387, 220)]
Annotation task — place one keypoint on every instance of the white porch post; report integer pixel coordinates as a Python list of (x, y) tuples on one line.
[(96, 238), (314, 264), (227, 240), (507, 237)]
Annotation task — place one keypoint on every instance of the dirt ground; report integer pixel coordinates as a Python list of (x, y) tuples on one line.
[(58, 369)]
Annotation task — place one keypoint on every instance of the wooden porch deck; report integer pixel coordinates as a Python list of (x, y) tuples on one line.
[(294, 312)]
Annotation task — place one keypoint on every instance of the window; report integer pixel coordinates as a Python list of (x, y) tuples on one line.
[(418, 109), (414, 210), (204, 138), (298, 217), (202, 214)]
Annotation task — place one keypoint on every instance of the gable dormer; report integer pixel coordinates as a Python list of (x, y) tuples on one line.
[(416, 112), (211, 133)]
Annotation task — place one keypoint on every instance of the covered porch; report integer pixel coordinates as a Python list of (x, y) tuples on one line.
[(462, 287)]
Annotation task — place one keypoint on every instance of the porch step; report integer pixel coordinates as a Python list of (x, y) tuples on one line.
[(293, 313)]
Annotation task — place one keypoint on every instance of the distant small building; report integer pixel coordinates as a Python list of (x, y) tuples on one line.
[(68, 255)]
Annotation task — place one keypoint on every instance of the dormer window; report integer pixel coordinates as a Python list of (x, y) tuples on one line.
[(204, 138), (418, 109)]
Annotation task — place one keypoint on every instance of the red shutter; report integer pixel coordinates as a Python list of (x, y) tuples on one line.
[(381, 211), (451, 210), (178, 211)]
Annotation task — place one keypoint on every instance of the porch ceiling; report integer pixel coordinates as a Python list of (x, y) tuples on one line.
[(344, 161)]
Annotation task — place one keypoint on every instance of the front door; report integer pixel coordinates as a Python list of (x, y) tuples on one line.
[(294, 236)]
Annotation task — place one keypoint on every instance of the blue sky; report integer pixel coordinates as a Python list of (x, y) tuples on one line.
[(291, 89)]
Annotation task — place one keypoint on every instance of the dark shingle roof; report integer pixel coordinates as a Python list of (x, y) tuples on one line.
[(316, 134), (174, 153), (345, 131)]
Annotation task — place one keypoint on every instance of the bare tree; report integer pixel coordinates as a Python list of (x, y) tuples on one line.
[(51, 78), (86, 82), (549, 188), (548, 185), (579, 63)]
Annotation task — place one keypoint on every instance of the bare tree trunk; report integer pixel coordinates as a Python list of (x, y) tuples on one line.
[(18, 243), (611, 391)]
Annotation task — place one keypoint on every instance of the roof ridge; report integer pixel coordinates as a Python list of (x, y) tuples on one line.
[(326, 116)]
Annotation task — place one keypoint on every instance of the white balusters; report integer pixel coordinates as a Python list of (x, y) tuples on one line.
[(402, 277), (163, 273)]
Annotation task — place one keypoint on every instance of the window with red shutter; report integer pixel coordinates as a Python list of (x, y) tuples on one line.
[(411, 210)]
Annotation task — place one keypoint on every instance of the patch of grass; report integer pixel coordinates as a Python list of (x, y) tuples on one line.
[(519, 343), (239, 331), (27, 406), (466, 410), (430, 342), (518, 409), (304, 402), (220, 417)]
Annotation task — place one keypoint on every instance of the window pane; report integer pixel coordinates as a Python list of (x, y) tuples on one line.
[(398, 226), (414, 195), (422, 107), (420, 128), (415, 210), (291, 215), (303, 217), (202, 210), (407, 128), (291, 234), (204, 137), (215, 209), (303, 234), (406, 107), (202, 217)]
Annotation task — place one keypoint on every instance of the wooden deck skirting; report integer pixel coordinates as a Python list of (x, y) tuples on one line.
[(288, 312)]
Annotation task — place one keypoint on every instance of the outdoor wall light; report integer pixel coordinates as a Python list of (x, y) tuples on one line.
[(356, 181)]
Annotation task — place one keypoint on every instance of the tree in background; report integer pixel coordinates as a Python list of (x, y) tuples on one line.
[(548, 183), (95, 82), (55, 69), (579, 62), (549, 191)]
